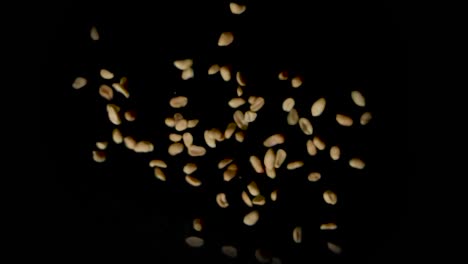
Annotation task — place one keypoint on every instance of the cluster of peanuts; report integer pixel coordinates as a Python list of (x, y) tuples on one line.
[(245, 112)]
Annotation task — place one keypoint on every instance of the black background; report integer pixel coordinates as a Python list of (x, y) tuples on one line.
[(118, 208)]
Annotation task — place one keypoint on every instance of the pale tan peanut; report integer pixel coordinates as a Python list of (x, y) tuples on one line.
[(157, 163), (344, 120), (314, 176), (183, 64), (257, 104), (328, 226), (187, 74), (121, 89), (293, 117), (94, 34), (175, 149), (130, 115), (217, 134), (79, 83), (238, 117), (223, 163), (296, 82), (113, 114), (273, 140), (306, 126), (240, 136), (233, 166), (175, 137), (221, 200), (193, 181), (229, 251), (283, 76), (297, 234), (230, 172), (102, 145), (239, 91), (106, 74), (357, 163), (335, 153), (143, 147), (330, 197), (295, 165), (225, 72), (225, 39), (252, 99), (170, 122), (319, 143), (228, 175), (237, 9), (271, 172), (274, 195), (240, 79), (181, 125), (209, 139), (196, 151), (358, 98), (269, 159), (117, 136), (197, 224), (246, 199), (188, 139), (334, 248), (106, 92), (256, 164), (236, 102), (194, 241), (159, 174), (262, 256), (251, 218), (253, 188), (288, 104), (99, 156), (213, 69), (365, 118), (129, 142), (280, 158), (318, 107), (250, 116), (178, 117), (190, 168), (178, 102), (259, 200), (311, 148), (123, 81), (192, 123), (231, 127)]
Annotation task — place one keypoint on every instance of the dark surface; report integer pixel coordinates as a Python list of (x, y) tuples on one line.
[(118, 208)]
